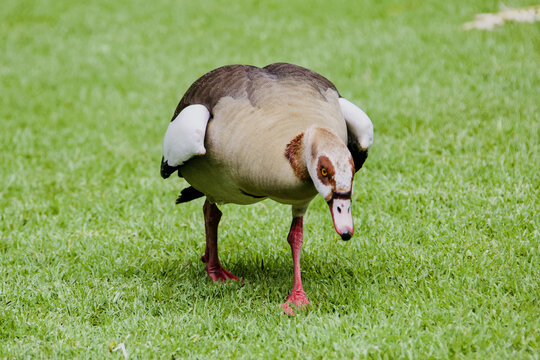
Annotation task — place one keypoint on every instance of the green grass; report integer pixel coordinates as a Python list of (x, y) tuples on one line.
[(445, 259)]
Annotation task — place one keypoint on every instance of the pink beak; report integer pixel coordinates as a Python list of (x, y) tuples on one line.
[(342, 217)]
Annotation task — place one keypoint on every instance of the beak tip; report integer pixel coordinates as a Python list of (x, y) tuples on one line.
[(346, 235)]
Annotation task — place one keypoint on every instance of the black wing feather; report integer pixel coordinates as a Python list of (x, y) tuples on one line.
[(188, 194)]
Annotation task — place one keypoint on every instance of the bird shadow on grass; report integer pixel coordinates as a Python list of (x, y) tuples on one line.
[(331, 277), (330, 282)]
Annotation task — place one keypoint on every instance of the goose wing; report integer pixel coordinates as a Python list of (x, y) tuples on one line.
[(359, 130), (185, 135)]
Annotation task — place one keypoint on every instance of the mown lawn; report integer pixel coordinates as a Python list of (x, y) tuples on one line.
[(93, 251)]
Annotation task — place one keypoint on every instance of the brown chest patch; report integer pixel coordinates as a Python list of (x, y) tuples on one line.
[(293, 153)]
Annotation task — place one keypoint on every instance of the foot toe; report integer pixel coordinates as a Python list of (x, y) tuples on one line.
[(295, 301), (220, 274)]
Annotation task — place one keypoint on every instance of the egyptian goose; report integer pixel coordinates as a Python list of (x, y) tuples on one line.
[(241, 134)]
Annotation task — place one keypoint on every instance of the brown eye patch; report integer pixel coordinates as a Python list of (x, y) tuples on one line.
[(326, 171)]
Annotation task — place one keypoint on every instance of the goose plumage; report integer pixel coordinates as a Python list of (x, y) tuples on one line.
[(241, 134)]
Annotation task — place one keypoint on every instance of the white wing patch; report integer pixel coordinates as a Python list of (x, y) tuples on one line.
[(184, 138), (358, 123)]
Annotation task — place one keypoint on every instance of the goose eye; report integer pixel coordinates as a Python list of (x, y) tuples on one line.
[(324, 172)]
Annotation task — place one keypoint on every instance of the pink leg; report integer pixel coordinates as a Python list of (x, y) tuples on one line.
[(212, 215), (297, 298)]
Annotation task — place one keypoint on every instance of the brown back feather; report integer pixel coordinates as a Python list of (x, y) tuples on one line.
[(286, 70), (237, 81)]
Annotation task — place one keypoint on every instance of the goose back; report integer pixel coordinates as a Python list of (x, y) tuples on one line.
[(255, 113)]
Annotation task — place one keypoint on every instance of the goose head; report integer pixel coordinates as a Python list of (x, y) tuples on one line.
[(331, 168)]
